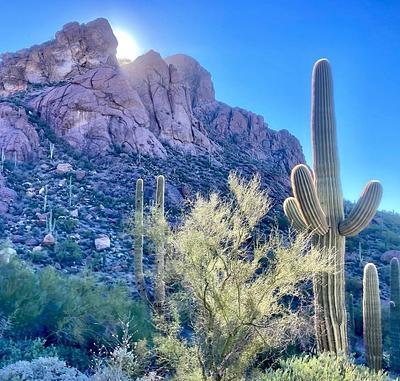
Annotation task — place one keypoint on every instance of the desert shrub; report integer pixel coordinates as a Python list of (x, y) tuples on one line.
[(324, 367), (41, 369), (12, 351), (70, 310), (240, 283), (67, 224), (128, 360), (68, 252)]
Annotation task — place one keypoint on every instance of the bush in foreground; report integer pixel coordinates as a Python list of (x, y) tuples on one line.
[(324, 367), (242, 289), (75, 313), (41, 369)]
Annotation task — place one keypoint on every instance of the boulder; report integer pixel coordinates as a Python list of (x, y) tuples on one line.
[(80, 175), (63, 168), (49, 240), (102, 242)]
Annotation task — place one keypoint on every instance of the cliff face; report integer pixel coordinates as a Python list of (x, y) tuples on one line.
[(75, 84)]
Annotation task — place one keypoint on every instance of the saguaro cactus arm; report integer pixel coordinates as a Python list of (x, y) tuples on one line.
[(306, 196), (363, 211), (292, 210)]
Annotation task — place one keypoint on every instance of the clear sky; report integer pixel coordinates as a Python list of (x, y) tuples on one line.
[(260, 55)]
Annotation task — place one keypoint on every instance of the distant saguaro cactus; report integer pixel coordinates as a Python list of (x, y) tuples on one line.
[(139, 275), (156, 229), (394, 315), (372, 318), (159, 285), (317, 206)]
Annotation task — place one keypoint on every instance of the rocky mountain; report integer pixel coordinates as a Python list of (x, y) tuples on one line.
[(77, 128), (76, 85)]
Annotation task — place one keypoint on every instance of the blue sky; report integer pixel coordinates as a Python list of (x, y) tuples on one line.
[(260, 55)]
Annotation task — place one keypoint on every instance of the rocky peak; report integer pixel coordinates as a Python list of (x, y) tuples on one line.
[(195, 77), (168, 102), (75, 49), (75, 86)]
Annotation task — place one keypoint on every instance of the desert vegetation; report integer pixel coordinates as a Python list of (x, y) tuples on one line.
[(234, 281)]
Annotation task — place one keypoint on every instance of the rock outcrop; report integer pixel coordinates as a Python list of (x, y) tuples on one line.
[(75, 49), (98, 112), (18, 137), (75, 84), (168, 103)]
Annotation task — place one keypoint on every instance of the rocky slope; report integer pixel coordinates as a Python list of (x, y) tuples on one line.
[(77, 128)]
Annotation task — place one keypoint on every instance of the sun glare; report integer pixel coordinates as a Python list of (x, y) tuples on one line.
[(127, 48)]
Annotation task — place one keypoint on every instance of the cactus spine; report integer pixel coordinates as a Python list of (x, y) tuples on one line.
[(372, 318), (394, 315), (139, 275), (317, 206), (159, 286)]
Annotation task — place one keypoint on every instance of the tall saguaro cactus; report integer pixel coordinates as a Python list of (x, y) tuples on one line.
[(140, 281), (372, 318), (159, 285), (317, 206), (394, 315)]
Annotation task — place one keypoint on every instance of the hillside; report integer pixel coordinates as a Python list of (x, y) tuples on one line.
[(77, 130)]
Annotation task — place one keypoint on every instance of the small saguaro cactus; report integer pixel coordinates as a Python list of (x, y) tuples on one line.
[(157, 232), (159, 285), (317, 207), (372, 318), (394, 315), (139, 275)]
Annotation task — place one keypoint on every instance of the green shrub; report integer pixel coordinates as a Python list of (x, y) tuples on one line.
[(240, 284), (68, 252), (67, 224), (12, 351), (70, 310), (325, 367)]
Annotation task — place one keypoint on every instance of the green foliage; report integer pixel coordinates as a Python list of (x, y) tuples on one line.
[(70, 310), (325, 367), (68, 252), (67, 224), (12, 351), (175, 353), (240, 284)]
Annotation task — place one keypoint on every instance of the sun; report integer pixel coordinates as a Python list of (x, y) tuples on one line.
[(127, 48)]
